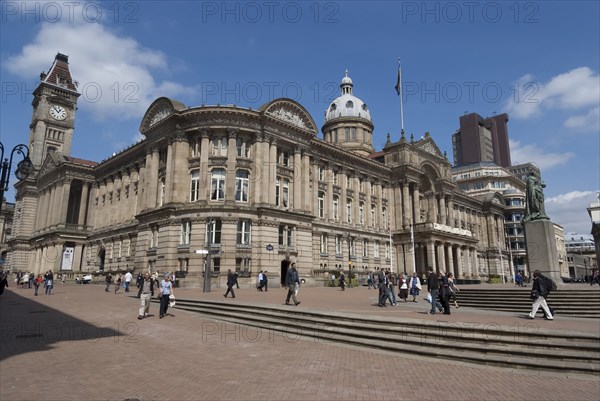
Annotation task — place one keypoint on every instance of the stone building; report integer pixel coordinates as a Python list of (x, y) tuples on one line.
[(260, 186)]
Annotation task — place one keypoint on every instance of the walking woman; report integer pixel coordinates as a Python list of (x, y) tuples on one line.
[(166, 290), (415, 286), (403, 286), (453, 289)]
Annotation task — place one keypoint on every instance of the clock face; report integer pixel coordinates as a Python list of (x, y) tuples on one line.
[(58, 112)]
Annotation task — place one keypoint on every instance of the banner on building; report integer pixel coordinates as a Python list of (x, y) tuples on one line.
[(67, 258)]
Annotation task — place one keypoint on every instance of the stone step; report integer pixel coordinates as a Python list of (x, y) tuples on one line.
[(576, 352)]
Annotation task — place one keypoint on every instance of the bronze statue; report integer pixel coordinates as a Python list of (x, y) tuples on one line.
[(535, 209)]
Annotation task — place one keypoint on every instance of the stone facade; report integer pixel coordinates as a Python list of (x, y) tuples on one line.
[(267, 190)]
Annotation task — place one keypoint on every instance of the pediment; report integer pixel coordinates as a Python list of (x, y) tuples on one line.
[(51, 163), (428, 145), (159, 110), (290, 112)]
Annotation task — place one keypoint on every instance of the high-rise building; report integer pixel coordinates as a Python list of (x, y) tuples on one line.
[(481, 140)]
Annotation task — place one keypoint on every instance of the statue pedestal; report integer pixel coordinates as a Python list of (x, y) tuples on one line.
[(542, 253)]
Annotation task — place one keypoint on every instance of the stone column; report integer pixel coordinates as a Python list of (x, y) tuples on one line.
[(421, 257), (307, 193), (170, 173), (468, 262), (450, 217), (355, 182), (230, 169), (151, 182), (296, 184), (63, 203), (368, 221), (329, 195), (397, 201), (475, 269), (344, 199), (406, 215), (431, 256), (416, 205), (258, 170), (50, 209), (441, 254), (272, 171), (204, 189), (443, 217), (450, 253), (83, 202), (181, 175)]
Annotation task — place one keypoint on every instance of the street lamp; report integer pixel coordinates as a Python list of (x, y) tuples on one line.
[(24, 167)]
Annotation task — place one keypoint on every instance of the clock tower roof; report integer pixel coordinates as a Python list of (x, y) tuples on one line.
[(59, 74)]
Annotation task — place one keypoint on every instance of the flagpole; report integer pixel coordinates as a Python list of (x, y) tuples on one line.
[(400, 89)]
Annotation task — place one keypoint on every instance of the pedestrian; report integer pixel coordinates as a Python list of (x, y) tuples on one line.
[(390, 288), (3, 282), (539, 291), (31, 278), (444, 293), (415, 286), (259, 281), (403, 288), (128, 277), (36, 284), (265, 280), (237, 284), (146, 294), (292, 284), (453, 289), (382, 285), (49, 278), (139, 281), (333, 280), (230, 284), (342, 281), (166, 290), (433, 286), (518, 280), (63, 278), (370, 280), (118, 281), (108, 281)]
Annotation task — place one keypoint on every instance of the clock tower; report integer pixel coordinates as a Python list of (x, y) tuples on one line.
[(54, 105)]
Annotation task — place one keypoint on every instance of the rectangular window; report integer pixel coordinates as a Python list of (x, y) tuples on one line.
[(216, 264), (286, 192), (194, 185), (336, 178), (284, 158), (285, 236), (242, 183), (162, 189), (384, 220), (194, 148), (376, 250), (213, 231), (373, 215), (321, 204), (336, 207), (243, 148), (323, 243), (277, 192), (348, 210), (218, 147), (351, 246), (244, 229), (365, 248), (338, 244), (321, 173), (185, 234), (217, 184), (242, 264), (361, 213), (387, 251)]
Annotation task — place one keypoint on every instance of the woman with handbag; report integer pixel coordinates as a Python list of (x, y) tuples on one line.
[(453, 289), (403, 285), (415, 286), (166, 290)]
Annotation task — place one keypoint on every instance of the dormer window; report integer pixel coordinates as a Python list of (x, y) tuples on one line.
[(364, 106), (349, 104), (333, 107)]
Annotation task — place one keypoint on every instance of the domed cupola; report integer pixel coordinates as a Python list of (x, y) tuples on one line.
[(348, 121)]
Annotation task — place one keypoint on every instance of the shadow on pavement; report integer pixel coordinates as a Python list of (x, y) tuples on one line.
[(29, 326)]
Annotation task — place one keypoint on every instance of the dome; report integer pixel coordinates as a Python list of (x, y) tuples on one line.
[(347, 105)]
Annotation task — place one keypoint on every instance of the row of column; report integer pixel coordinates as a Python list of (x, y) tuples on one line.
[(446, 257), (53, 202), (115, 200)]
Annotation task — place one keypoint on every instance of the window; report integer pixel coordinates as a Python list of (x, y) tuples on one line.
[(186, 231), (323, 243), (194, 148), (217, 184), (321, 173), (242, 264), (336, 178), (194, 185), (373, 214), (244, 229), (334, 136), (218, 147), (154, 237), (216, 264), (285, 236), (361, 213), (213, 231), (365, 245), (387, 251), (338, 244), (372, 189), (376, 250), (286, 192), (119, 245), (242, 183), (384, 217), (284, 159), (347, 178), (277, 191), (321, 204), (243, 148), (348, 210), (351, 247), (161, 200), (350, 132), (336, 207)]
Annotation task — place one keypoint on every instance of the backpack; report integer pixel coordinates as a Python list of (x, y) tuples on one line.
[(550, 285)]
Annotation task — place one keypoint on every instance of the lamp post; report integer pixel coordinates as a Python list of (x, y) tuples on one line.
[(585, 265), (24, 167), (349, 261), (209, 228)]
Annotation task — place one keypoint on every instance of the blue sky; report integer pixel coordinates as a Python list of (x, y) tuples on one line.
[(537, 61)]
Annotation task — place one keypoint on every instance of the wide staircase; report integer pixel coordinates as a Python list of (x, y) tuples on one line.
[(518, 346), (567, 301)]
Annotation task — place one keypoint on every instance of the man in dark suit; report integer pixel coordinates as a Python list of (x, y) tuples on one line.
[(291, 282), (230, 283)]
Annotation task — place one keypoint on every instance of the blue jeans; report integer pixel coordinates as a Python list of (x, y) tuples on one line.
[(435, 303), (48, 289), (37, 286)]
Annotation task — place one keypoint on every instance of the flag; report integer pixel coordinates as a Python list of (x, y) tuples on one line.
[(399, 81)]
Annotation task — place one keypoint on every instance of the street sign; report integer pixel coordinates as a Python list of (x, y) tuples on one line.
[(269, 247), (202, 251)]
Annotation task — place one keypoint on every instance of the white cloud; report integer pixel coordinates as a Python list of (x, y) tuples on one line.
[(532, 153), (115, 73), (570, 210), (574, 90), (586, 122)]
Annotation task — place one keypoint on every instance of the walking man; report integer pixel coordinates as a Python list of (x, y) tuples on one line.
[(539, 291), (433, 286), (147, 292), (230, 284), (128, 277), (291, 283), (108, 282)]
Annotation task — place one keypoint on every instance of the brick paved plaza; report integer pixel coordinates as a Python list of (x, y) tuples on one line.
[(84, 344)]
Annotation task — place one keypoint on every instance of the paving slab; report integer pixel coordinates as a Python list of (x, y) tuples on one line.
[(82, 343)]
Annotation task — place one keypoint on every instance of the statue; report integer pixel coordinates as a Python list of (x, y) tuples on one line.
[(535, 209)]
